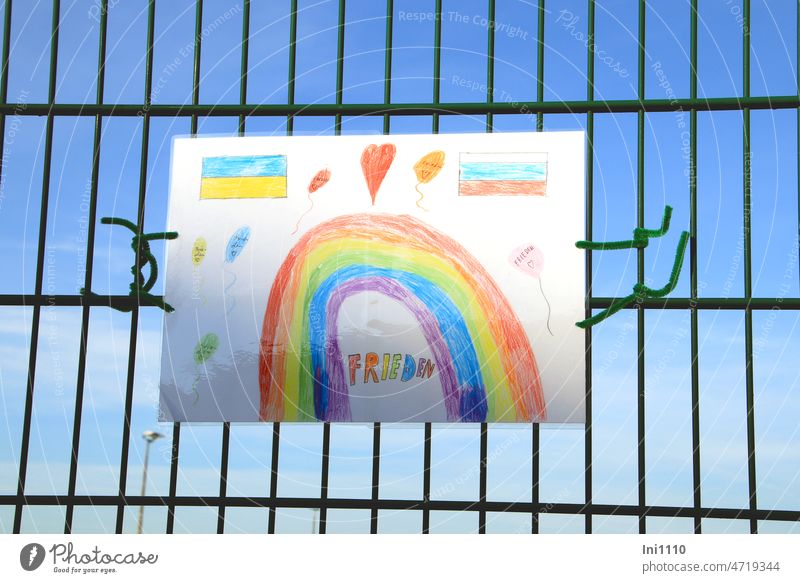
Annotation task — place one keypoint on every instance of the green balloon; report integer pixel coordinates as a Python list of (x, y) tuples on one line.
[(206, 348)]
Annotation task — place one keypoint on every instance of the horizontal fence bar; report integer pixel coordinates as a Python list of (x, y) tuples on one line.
[(118, 302), (705, 303), (391, 504), (127, 302), (368, 109)]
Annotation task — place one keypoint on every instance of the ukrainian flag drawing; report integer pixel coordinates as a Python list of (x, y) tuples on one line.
[(502, 174), (243, 177)]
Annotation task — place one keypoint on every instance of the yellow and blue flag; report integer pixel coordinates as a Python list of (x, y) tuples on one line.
[(243, 177)]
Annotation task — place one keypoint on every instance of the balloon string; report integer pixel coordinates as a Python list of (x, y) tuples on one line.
[(548, 306), (233, 298), (194, 385), (297, 224), (200, 282), (421, 196)]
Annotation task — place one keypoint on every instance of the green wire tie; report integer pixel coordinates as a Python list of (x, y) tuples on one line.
[(140, 243), (641, 292)]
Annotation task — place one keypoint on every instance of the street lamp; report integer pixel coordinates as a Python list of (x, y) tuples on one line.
[(149, 437)]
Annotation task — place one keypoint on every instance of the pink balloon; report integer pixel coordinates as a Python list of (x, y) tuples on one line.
[(528, 259)]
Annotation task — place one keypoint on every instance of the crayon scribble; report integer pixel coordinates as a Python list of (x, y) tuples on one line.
[(375, 163), (203, 350), (426, 170), (234, 248), (485, 362), (198, 254), (320, 179), (529, 259)]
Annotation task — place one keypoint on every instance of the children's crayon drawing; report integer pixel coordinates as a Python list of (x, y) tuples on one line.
[(375, 163), (426, 170), (319, 180), (502, 174), (243, 177), (415, 303)]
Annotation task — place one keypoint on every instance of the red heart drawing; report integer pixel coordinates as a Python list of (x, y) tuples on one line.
[(375, 162)]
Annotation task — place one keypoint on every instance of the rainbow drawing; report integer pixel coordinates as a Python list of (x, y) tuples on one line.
[(243, 177), (502, 174), (485, 362)]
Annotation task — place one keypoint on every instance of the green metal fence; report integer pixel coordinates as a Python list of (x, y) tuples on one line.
[(589, 107)]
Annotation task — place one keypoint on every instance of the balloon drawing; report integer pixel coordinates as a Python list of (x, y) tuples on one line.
[(236, 244), (426, 170), (375, 163), (198, 254), (320, 179), (203, 350), (529, 259), (234, 248), (199, 251)]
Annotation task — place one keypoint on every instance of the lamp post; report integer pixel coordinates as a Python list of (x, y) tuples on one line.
[(149, 437)]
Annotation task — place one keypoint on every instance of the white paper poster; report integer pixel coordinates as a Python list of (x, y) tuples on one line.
[(376, 278)]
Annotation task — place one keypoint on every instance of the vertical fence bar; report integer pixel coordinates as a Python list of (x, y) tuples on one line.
[(276, 426), (640, 275), (426, 481), (490, 63), (292, 65), (326, 428), (176, 427), (273, 476), (540, 63), (48, 155), (4, 98), (87, 284), (173, 476), (6, 63), (126, 430), (226, 426), (437, 80), (484, 447), (376, 470), (748, 280), (696, 497), (325, 473), (223, 475), (126, 424), (484, 442), (387, 65), (587, 435), (244, 65), (340, 62), (535, 434), (4, 79), (148, 86), (198, 39), (376, 427), (245, 48), (437, 61)]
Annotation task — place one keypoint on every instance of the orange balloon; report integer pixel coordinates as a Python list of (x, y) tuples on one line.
[(320, 179), (429, 166)]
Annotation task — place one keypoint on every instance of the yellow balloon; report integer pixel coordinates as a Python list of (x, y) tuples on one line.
[(429, 166), (198, 251)]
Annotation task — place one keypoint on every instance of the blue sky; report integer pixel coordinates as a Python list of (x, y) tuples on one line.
[(463, 78)]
